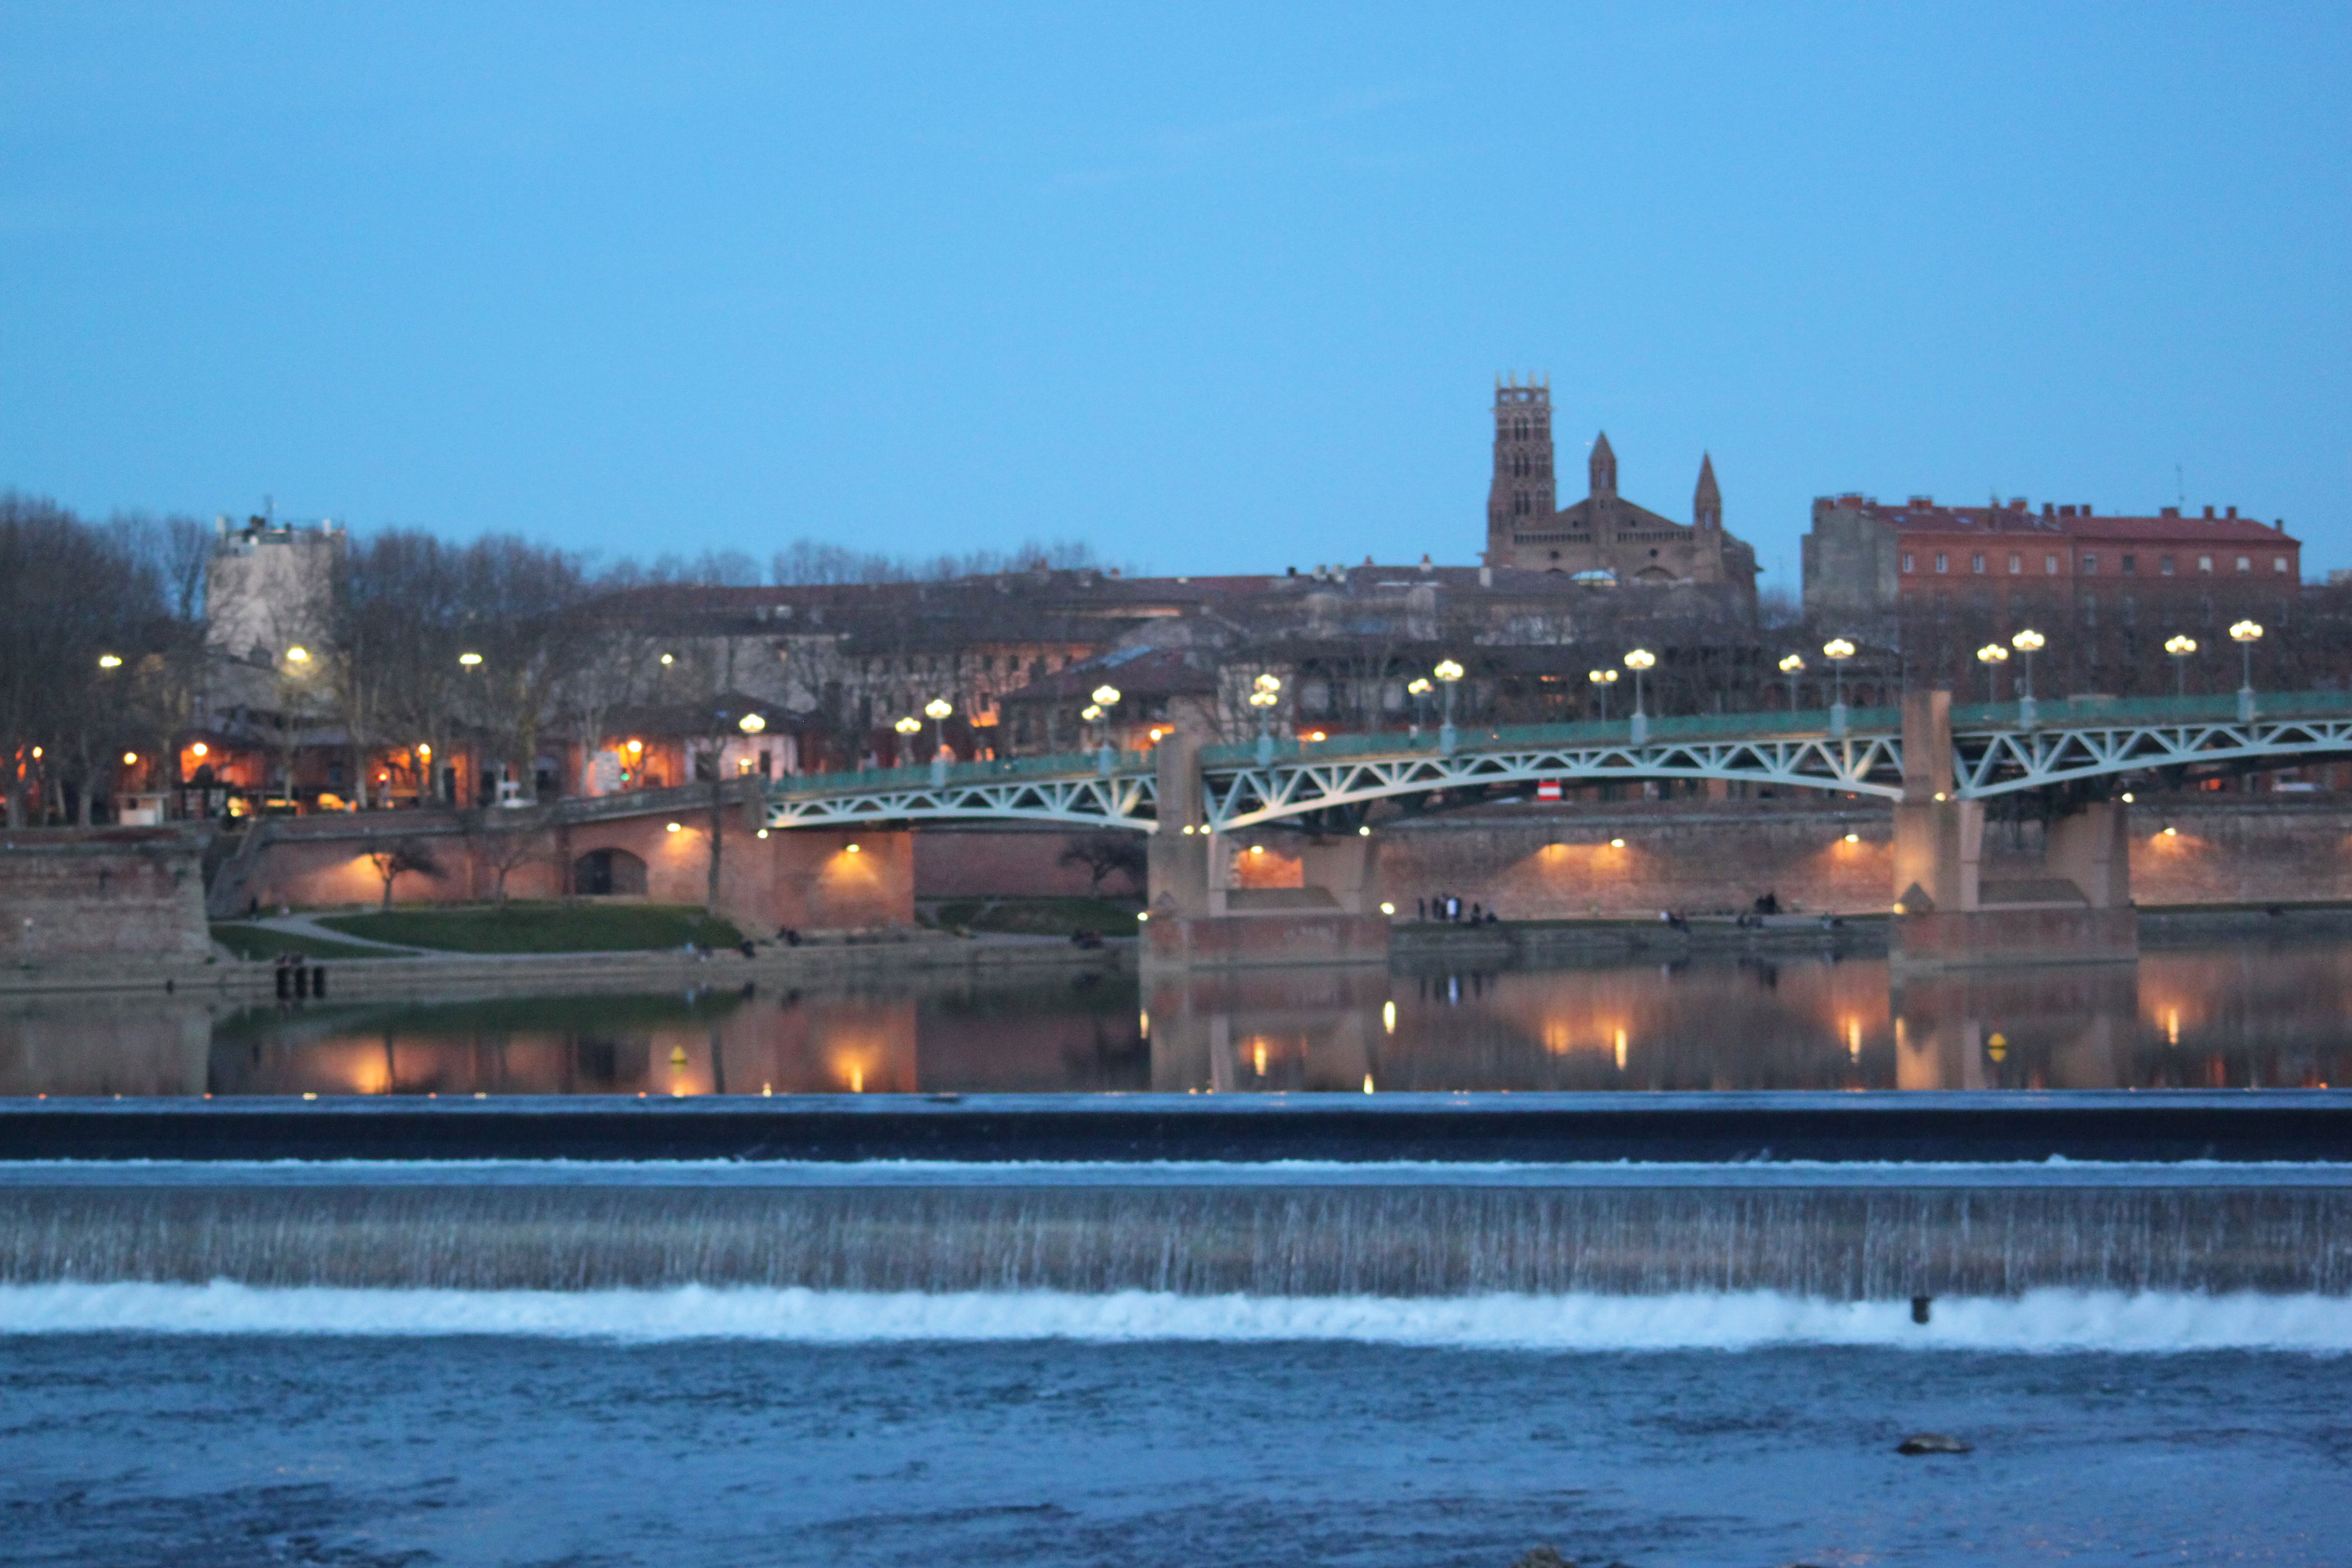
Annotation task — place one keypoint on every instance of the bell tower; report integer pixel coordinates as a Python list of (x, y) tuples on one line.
[(1523, 492)]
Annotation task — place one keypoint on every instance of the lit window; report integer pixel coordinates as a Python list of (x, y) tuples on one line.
[(2204, 563), (1943, 564), (2278, 562), (2245, 564), (2016, 564)]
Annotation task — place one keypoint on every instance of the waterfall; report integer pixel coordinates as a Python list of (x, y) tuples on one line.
[(1286, 1238)]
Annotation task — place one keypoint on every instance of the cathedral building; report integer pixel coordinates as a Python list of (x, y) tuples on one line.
[(1603, 539)]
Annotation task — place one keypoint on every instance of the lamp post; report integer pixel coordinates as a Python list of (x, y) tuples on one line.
[(1993, 655), (908, 728), (1837, 650), (1265, 692), (2028, 643), (1418, 690), (2246, 634), (1793, 667), (2180, 647), (939, 708), (751, 724), (1639, 661), (1105, 698), (1602, 679), (1447, 673)]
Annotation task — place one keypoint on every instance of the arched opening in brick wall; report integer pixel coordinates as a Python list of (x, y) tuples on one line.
[(602, 873)]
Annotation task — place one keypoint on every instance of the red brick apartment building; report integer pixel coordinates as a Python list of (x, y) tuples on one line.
[(1865, 559)]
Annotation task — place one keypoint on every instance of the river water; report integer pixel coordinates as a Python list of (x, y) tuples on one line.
[(2242, 1015), (678, 1365)]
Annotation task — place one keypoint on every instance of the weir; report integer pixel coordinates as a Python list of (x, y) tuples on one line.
[(1283, 1234)]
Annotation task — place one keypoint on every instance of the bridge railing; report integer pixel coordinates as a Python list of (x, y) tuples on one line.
[(1009, 770), (1688, 727), (2077, 712)]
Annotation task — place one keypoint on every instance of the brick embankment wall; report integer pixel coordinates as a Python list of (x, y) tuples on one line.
[(2240, 849), (811, 880), (1532, 862), (1537, 862), (69, 894), (1005, 863)]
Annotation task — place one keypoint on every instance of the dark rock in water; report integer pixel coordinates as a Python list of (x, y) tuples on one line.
[(1932, 1442), (1544, 1557)]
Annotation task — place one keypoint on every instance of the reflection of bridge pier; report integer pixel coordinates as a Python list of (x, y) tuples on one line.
[(1235, 1030), (2048, 1028)]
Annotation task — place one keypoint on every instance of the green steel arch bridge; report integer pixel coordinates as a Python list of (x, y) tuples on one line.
[(1997, 748)]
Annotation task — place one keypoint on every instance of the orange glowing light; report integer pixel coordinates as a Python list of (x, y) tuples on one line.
[(129, 759), (200, 749), (849, 849), (1257, 1059)]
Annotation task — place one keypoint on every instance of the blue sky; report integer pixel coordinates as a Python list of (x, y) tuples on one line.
[(1210, 287)]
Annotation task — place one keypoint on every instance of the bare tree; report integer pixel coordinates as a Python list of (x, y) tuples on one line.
[(393, 861), (1104, 853)]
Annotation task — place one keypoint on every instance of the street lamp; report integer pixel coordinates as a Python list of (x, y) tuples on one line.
[(1793, 667), (298, 654), (1447, 673), (1264, 701), (1993, 655), (908, 728), (1837, 650), (751, 724), (2180, 647), (2246, 634), (1418, 690), (2028, 643), (1602, 679), (1638, 661), (939, 708), (109, 661), (1105, 698)]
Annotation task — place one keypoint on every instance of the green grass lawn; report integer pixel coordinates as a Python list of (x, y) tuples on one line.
[(542, 927), (257, 942), (1042, 917)]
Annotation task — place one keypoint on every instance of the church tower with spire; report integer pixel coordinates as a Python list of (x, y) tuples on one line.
[(1603, 540), (1524, 492), (1706, 502), (1600, 469)]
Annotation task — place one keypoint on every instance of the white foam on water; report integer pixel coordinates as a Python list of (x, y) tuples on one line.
[(2039, 1322)]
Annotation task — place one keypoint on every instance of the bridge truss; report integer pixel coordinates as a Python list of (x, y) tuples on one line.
[(1089, 800), (2008, 761)]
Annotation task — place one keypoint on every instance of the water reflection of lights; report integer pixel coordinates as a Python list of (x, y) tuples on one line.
[(857, 1077), (2172, 1025), (1555, 1036), (1620, 1050), (1367, 1083), (1143, 1024), (1854, 1039), (1388, 1016), (1257, 1057), (1997, 1046)]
